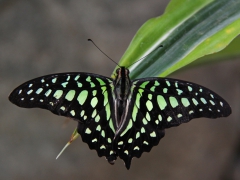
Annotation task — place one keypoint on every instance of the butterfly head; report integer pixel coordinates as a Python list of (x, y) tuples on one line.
[(122, 72)]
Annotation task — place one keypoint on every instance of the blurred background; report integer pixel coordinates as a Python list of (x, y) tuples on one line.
[(40, 37)]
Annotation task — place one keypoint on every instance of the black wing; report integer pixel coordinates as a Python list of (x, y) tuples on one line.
[(83, 97), (158, 103)]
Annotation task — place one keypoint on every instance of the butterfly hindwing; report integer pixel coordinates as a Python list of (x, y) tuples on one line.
[(159, 103), (84, 97)]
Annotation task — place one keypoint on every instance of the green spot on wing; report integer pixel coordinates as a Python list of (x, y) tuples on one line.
[(39, 90), (82, 97), (92, 84), (156, 83), (137, 102), (64, 84), (145, 142), (212, 102), (102, 83), (82, 113), (88, 79), (98, 128), (94, 93), (88, 131), (179, 91), (143, 85), (103, 133), (105, 94), (179, 115), (77, 77), (137, 135), (149, 105), (134, 113), (161, 102), (130, 140), (108, 111), (94, 140), (176, 84), (153, 88), (79, 84), (144, 121), (111, 125), (97, 118), (143, 130), (195, 101), (54, 80), (169, 118), (159, 117), (72, 112), (153, 134), (58, 94), (165, 90), (94, 102), (129, 126), (150, 96), (185, 102), (70, 95), (148, 116), (102, 147), (173, 102), (136, 148), (47, 93), (103, 88), (168, 83), (190, 88), (140, 91), (68, 78), (120, 143), (94, 113), (203, 100)]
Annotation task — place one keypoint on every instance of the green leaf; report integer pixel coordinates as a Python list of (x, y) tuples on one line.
[(231, 51), (187, 30)]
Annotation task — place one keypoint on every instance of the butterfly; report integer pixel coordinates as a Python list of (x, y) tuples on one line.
[(120, 117)]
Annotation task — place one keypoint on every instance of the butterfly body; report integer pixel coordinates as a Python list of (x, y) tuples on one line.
[(121, 85), (120, 117)]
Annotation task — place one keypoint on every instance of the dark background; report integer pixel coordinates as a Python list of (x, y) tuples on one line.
[(40, 37)]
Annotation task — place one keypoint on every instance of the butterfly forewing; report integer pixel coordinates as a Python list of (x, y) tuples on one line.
[(159, 103), (84, 97), (178, 101)]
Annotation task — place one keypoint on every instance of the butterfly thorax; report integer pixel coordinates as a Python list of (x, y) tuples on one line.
[(122, 85)]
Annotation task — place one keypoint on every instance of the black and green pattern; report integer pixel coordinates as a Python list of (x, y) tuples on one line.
[(120, 117)]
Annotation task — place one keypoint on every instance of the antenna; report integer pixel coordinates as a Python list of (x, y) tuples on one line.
[(147, 55), (117, 63), (103, 52)]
